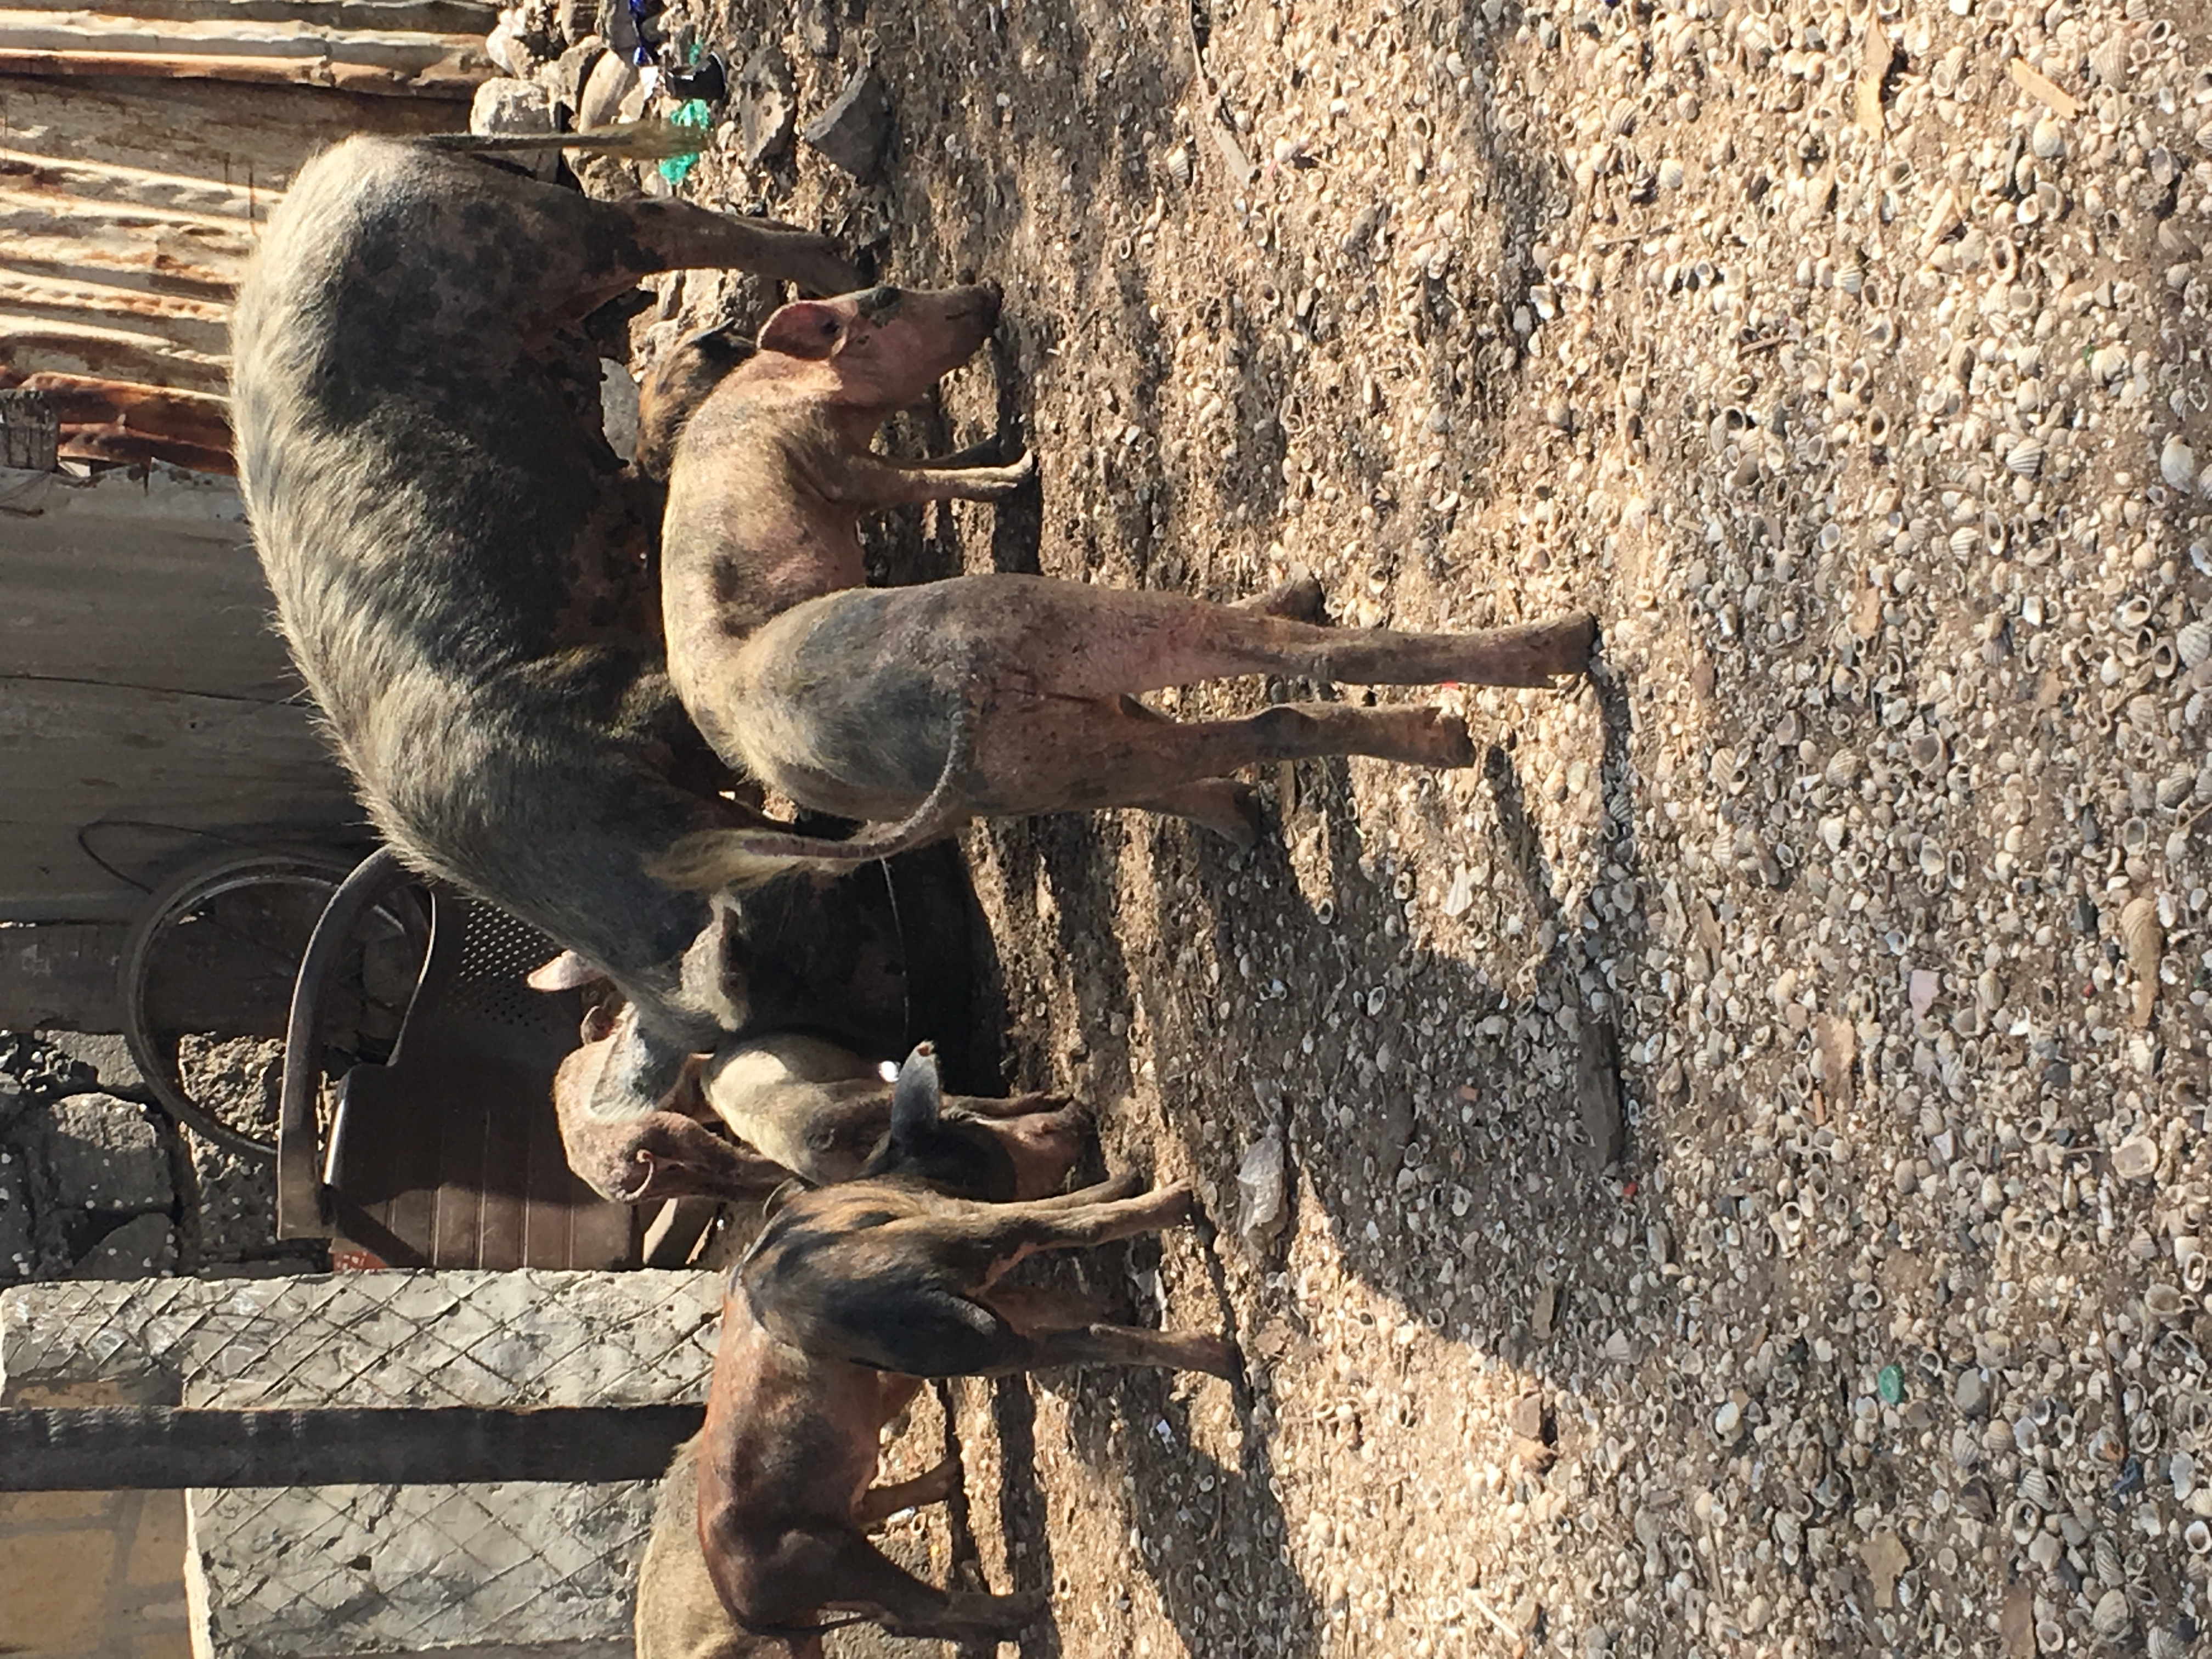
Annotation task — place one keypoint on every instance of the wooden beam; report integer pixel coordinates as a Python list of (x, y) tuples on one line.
[(155, 1448)]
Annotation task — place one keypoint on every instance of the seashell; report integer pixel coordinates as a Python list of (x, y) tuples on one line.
[(2026, 457), (2108, 60), (2105, 1555), (1850, 278), (1943, 74), (1997, 1438), (2198, 1537), (2193, 643), (2136, 1158), (2111, 1614), (1177, 162), (1842, 770), (2039, 1489), (2194, 1273), (1966, 1450), (1671, 175), (2048, 139), (2176, 464), (2162, 1643), (2164, 1303), (2108, 363), (2144, 940)]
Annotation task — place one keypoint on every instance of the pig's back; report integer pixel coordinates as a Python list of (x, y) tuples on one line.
[(402, 459)]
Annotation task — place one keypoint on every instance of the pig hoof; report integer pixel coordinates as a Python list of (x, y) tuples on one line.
[(935, 1486), (998, 482), (1127, 1184), (1298, 598), (1176, 1201), (1455, 746), (1572, 641), (1216, 1356)]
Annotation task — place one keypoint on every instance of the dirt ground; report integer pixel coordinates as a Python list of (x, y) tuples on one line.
[(1849, 368)]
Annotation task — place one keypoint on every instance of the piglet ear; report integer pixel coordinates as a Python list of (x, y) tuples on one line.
[(805, 328), (916, 1096), (566, 972)]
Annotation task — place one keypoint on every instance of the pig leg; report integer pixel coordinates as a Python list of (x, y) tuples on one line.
[(1045, 755), (1124, 1344), (878, 1503), (1037, 1102), (875, 482), (1033, 1311), (860, 1578), (990, 1238), (1229, 809), (1112, 1190), (1077, 641), (1297, 597), (670, 235)]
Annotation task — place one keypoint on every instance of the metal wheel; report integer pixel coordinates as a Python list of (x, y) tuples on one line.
[(215, 952)]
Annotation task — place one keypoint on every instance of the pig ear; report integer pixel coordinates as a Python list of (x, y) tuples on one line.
[(805, 328), (566, 972), (915, 1098)]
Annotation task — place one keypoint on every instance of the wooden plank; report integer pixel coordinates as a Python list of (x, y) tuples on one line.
[(454, 78), (376, 16), (156, 1447), (108, 779)]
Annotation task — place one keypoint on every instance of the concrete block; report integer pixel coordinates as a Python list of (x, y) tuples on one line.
[(105, 1154)]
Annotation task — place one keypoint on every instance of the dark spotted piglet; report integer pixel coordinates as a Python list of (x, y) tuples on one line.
[(888, 1274)]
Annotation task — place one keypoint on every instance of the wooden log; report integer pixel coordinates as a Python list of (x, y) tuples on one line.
[(157, 1448), (454, 76)]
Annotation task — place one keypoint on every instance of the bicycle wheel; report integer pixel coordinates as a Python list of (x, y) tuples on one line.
[(211, 960)]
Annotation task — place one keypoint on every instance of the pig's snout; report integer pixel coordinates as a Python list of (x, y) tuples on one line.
[(988, 300)]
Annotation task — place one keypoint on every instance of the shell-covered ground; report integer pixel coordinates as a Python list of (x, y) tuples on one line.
[(1849, 365)]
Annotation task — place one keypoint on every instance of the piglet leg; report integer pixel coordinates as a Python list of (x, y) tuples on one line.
[(1104, 642), (875, 482), (862, 1579)]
